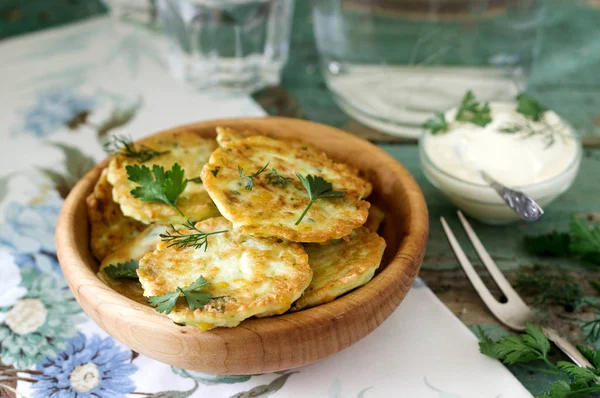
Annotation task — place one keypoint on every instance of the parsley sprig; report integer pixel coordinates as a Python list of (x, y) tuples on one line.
[(472, 111), (123, 270), (317, 188), (158, 185), (530, 107), (250, 178), (582, 240), (533, 346), (194, 238), (124, 146), (277, 179), (436, 124), (194, 296)]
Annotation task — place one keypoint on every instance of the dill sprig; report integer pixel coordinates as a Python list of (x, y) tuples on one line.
[(124, 146), (277, 179), (250, 178), (196, 239), (547, 132)]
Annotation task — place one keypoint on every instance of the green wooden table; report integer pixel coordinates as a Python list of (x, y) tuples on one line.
[(565, 76)]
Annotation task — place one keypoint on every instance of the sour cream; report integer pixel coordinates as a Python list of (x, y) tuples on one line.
[(540, 158)]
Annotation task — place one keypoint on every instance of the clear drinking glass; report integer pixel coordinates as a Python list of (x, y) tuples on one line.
[(240, 45), (391, 64)]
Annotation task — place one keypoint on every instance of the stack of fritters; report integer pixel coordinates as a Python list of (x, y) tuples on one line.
[(273, 257)]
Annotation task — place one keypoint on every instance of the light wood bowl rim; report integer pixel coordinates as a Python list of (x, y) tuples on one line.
[(388, 287)]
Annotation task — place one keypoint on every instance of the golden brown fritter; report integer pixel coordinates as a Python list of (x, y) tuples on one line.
[(248, 276), (340, 266), (272, 207), (109, 227), (191, 152)]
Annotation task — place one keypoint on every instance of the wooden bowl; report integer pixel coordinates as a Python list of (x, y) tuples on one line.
[(268, 344)]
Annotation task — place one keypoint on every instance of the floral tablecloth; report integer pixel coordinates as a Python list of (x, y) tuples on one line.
[(63, 93)]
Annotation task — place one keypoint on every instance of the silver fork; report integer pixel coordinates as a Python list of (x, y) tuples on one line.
[(514, 313)]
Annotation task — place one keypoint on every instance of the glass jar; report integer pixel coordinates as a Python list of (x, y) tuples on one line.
[(391, 64)]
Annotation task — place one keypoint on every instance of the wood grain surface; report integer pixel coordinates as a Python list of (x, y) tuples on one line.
[(268, 344)]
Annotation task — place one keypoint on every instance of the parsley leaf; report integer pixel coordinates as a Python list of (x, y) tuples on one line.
[(437, 123), (584, 240), (277, 179), (530, 346), (472, 111), (122, 270), (578, 375), (591, 355), (158, 185), (528, 106), (250, 178), (124, 146), (164, 303), (194, 238), (194, 296), (317, 188), (558, 389)]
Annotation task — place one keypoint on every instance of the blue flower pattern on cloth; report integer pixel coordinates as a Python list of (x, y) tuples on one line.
[(35, 324), (86, 369), (28, 232), (55, 109)]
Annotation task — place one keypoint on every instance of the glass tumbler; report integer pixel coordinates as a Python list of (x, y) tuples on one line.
[(391, 64), (238, 45)]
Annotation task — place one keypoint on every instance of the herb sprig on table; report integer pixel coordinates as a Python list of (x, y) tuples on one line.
[(582, 241), (158, 185), (317, 188), (250, 178), (194, 296), (532, 346), (559, 289), (124, 146), (123, 270), (194, 238)]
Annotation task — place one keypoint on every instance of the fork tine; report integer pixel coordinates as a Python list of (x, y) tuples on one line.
[(476, 281), (491, 266)]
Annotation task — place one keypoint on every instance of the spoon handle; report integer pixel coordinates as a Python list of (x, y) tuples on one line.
[(523, 205)]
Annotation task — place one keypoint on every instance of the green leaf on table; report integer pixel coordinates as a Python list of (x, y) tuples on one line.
[(553, 244), (127, 269), (558, 389), (591, 355), (527, 347), (472, 111), (530, 107), (585, 239), (486, 344), (436, 124), (577, 374), (158, 185)]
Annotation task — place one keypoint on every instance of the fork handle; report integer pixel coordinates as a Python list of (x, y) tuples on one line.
[(569, 349)]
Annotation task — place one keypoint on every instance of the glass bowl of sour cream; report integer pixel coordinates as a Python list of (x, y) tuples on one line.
[(540, 158)]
